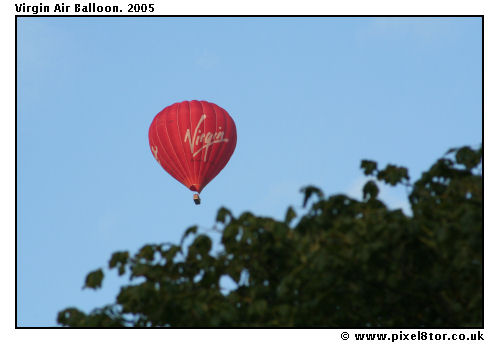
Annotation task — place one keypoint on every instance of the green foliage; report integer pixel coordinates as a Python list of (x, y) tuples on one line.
[(368, 166), (192, 230), (392, 174), (344, 263), (469, 157), (222, 215), (119, 260), (370, 190), (94, 279), (311, 190), (290, 215)]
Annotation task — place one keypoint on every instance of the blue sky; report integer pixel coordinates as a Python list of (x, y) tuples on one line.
[(311, 98)]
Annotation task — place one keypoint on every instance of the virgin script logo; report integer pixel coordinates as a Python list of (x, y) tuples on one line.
[(207, 139)]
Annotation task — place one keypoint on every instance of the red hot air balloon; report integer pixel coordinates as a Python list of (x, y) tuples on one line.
[(193, 141)]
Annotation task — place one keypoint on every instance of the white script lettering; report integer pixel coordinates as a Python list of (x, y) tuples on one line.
[(154, 149), (207, 139)]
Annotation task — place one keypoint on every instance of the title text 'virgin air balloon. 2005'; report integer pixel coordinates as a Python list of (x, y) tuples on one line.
[(193, 141)]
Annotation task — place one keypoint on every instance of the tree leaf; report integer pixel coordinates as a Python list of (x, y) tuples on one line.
[(468, 157), (146, 252), (290, 215), (310, 191), (370, 190), (94, 279), (202, 244), (191, 230), (70, 317), (368, 167), (393, 174), (118, 258), (222, 214)]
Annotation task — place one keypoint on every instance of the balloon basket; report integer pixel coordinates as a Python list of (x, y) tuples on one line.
[(197, 199)]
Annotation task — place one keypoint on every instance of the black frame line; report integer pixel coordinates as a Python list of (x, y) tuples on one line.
[(243, 16)]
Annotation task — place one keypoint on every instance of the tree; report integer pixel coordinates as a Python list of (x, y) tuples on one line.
[(345, 263)]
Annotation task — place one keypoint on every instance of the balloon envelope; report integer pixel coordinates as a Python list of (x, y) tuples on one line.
[(193, 141)]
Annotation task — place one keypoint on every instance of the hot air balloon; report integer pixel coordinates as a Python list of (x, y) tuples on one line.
[(193, 141)]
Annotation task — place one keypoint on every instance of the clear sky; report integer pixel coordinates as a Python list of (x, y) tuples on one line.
[(311, 98)]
